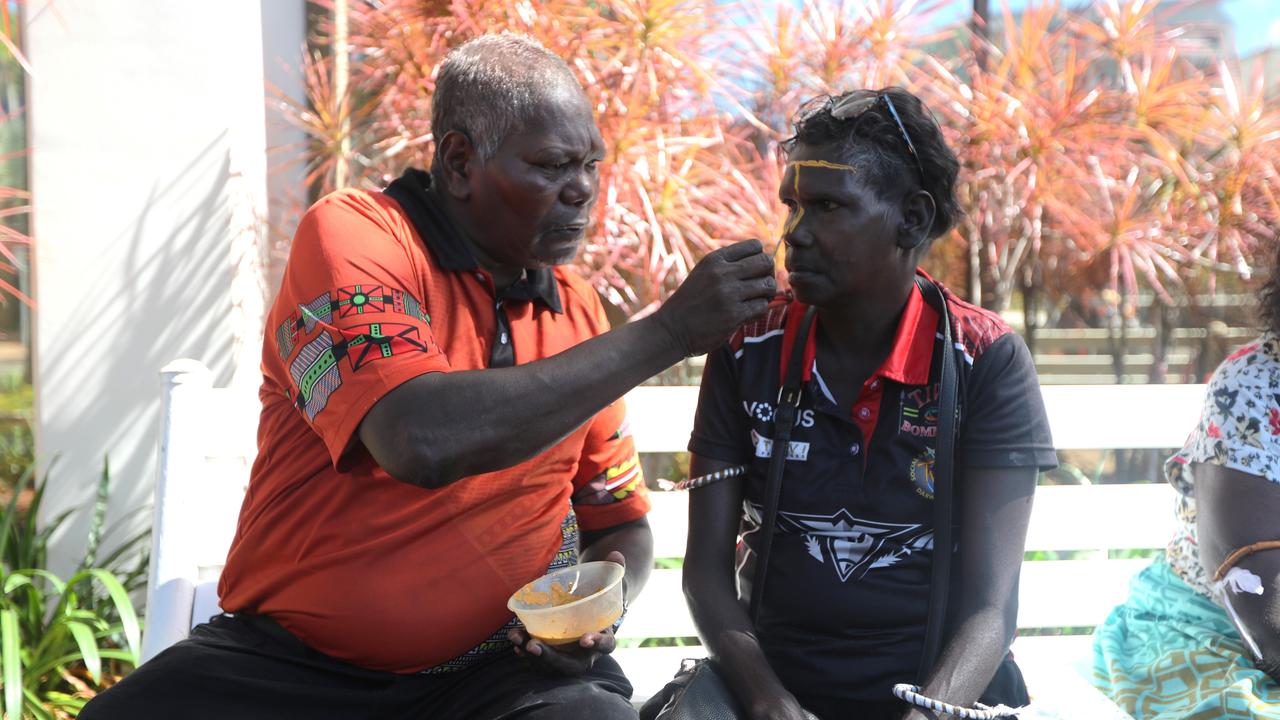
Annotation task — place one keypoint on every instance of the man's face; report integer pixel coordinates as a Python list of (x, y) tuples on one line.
[(531, 202)]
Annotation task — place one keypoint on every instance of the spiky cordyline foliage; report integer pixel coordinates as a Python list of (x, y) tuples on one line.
[(1091, 147)]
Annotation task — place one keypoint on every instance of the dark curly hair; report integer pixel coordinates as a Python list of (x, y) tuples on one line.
[(873, 135), (1269, 296)]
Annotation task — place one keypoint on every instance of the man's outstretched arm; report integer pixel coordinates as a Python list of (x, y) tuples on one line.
[(441, 427)]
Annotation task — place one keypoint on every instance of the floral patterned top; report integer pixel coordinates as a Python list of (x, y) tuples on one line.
[(1240, 429)]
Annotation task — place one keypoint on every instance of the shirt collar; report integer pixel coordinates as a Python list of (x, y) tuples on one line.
[(912, 353), (445, 243)]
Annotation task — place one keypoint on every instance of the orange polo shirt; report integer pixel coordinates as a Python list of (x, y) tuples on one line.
[(361, 566)]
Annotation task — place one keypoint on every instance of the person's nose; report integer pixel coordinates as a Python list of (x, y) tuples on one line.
[(796, 231), (580, 188)]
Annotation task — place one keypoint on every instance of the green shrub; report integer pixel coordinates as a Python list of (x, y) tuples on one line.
[(63, 641)]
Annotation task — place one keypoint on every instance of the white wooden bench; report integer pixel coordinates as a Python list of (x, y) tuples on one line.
[(208, 441)]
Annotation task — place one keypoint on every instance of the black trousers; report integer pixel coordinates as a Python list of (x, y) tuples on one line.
[(249, 667)]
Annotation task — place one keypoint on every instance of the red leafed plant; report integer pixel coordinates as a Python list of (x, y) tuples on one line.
[(1097, 147), (15, 202)]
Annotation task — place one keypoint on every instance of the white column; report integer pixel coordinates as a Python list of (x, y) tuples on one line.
[(149, 194)]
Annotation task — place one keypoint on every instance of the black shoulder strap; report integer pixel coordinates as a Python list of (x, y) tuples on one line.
[(783, 420), (943, 487)]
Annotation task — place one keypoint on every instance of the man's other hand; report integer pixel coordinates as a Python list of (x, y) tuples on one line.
[(568, 659), (729, 287)]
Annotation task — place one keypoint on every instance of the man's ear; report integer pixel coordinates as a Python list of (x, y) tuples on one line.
[(455, 154), (918, 211)]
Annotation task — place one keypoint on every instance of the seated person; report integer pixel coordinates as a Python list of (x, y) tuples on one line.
[(869, 185), (1199, 636), (441, 423)]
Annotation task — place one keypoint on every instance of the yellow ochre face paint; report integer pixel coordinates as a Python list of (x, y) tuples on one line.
[(820, 164), (798, 214)]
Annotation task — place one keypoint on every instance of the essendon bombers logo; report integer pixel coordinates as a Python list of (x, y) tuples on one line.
[(919, 412)]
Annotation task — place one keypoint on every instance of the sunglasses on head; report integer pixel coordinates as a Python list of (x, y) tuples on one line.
[(852, 107)]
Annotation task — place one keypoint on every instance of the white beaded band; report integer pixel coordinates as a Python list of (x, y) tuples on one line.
[(709, 478), (911, 694)]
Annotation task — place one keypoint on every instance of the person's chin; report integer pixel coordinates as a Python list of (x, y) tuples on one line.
[(559, 248)]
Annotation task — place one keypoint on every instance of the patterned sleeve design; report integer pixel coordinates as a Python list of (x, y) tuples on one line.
[(316, 369), (352, 320), (609, 487)]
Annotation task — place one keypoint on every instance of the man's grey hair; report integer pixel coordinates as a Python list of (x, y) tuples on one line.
[(489, 86)]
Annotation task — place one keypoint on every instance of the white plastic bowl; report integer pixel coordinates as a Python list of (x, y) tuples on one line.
[(598, 589)]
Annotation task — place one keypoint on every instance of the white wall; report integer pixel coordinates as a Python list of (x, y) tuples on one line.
[(283, 38), (149, 201)]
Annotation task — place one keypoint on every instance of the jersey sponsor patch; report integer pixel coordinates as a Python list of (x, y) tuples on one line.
[(797, 451), (921, 474), (918, 414), (764, 412)]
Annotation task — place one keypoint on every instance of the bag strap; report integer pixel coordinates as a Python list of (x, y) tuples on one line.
[(943, 467), (783, 420)]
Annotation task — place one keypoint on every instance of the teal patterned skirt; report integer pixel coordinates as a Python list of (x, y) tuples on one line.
[(1170, 653)]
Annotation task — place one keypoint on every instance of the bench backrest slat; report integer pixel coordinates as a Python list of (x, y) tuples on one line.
[(209, 441), (1080, 416)]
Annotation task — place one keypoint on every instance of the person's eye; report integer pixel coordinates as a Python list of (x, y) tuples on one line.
[(554, 166), (828, 205), (593, 165)]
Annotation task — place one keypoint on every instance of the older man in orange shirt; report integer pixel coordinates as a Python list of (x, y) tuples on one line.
[(441, 423)]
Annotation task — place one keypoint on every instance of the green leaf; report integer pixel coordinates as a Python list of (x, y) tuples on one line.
[(98, 518), (9, 519), (11, 662), (36, 707), (49, 666), (88, 648), (25, 576), (126, 548), (124, 606), (87, 616), (65, 702)]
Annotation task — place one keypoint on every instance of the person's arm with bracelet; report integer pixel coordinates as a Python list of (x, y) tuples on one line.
[(1235, 509), (710, 589), (440, 427), (994, 509)]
